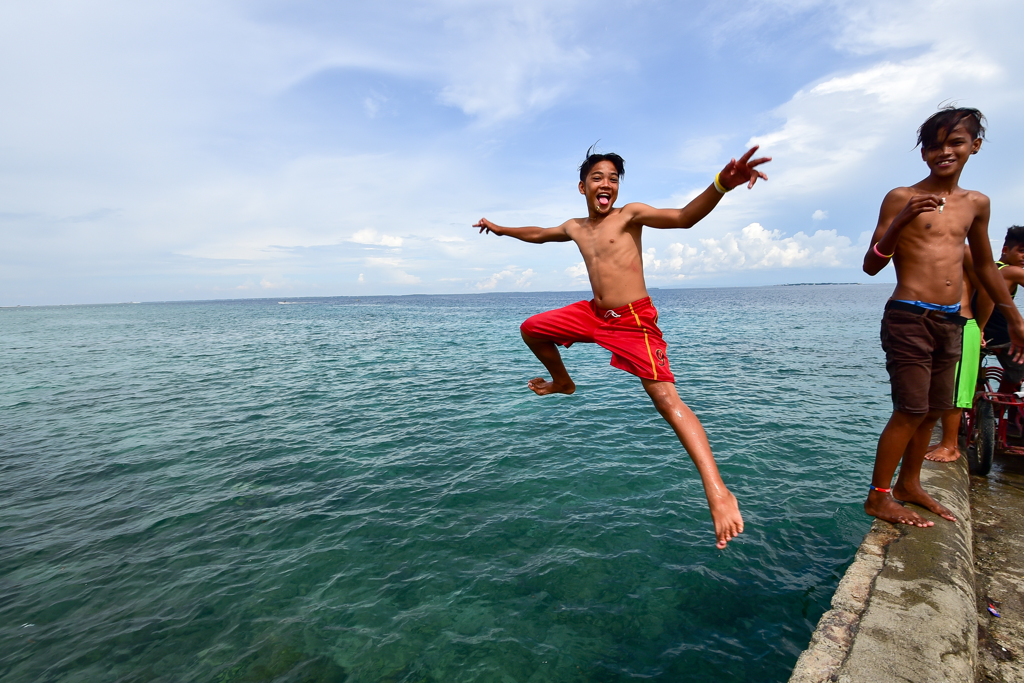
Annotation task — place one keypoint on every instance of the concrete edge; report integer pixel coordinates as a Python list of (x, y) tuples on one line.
[(832, 639), (925, 604)]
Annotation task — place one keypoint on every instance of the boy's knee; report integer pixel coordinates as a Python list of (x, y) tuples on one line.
[(909, 418), (660, 397), (531, 335), (662, 393)]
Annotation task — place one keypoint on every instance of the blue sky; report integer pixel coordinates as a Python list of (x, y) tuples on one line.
[(217, 149)]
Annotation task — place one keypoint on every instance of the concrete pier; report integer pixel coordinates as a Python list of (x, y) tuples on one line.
[(906, 609), (997, 503)]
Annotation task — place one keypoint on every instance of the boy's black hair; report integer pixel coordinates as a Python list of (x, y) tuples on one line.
[(947, 119), (1014, 236), (592, 159)]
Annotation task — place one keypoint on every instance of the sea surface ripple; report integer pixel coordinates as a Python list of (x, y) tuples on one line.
[(363, 489)]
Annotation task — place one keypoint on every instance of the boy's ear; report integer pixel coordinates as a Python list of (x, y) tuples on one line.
[(582, 188), (975, 145)]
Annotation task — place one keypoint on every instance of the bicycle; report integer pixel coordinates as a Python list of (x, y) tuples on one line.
[(986, 426)]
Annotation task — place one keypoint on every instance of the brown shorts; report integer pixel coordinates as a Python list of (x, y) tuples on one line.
[(921, 353)]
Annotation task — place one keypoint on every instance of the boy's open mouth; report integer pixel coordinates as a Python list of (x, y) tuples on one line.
[(603, 199)]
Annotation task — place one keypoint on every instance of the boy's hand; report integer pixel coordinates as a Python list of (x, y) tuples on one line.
[(485, 224), (1016, 330), (917, 205), (745, 170)]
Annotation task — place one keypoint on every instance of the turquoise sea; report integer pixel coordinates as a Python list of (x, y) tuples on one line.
[(363, 489)]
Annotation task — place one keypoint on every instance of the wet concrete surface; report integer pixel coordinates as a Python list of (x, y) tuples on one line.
[(997, 507), (905, 609)]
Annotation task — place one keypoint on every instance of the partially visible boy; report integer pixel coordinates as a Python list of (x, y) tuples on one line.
[(922, 229), (997, 335), (621, 317), (966, 369)]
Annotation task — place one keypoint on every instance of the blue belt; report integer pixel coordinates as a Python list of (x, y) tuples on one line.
[(945, 316)]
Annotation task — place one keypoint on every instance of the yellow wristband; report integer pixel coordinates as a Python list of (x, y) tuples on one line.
[(718, 184)]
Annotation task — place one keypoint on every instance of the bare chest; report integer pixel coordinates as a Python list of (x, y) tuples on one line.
[(938, 232), (606, 241)]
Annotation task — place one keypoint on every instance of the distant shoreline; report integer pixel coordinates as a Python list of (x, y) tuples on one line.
[(819, 284), (310, 299)]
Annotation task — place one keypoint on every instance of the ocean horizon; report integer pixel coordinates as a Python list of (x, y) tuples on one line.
[(585, 293)]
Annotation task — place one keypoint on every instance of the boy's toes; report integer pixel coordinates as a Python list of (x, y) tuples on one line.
[(728, 534)]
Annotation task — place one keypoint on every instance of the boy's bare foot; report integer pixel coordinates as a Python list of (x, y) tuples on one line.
[(885, 507), (942, 454), (919, 496), (725, 512), (543, 387)]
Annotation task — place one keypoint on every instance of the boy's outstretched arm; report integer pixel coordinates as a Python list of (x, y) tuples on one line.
[(991, 279), (530, 234), (899, 208), (735, 173)]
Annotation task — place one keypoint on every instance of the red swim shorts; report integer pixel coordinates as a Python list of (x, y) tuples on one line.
[(630, 332)]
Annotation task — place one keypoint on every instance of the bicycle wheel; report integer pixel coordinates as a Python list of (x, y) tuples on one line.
[(979, 455)]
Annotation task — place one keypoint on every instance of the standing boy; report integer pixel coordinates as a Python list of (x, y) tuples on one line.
[(997, 336), (621, 317), (922, 229)]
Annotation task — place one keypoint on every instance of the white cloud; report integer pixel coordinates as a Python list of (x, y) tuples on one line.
[(835, 127), (753, 248), (310, 202), (266, 283), (508, 274), (849, 132), (579, 271), (512, 59), (373, 103), (869, 27), (394, 270), (819, 215), (369, 236)]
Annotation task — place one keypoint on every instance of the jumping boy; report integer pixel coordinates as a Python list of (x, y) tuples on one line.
[(922, 229), (621, 317)]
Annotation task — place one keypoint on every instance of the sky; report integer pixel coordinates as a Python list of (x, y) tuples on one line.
[(225, 149)]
